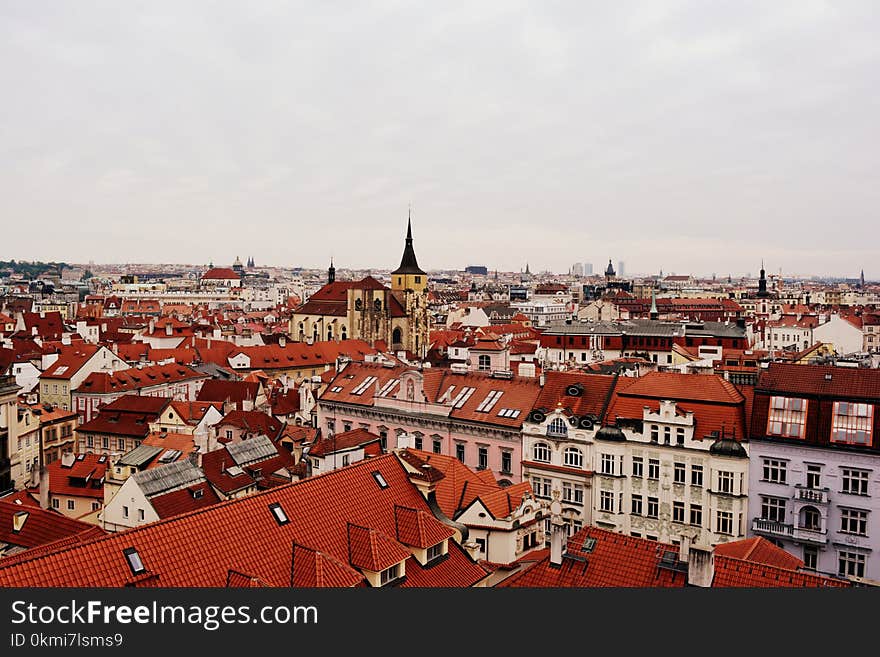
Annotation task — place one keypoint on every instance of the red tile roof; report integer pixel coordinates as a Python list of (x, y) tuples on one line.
[(201, 547), (135, 379), (591, 399), (419, 529), (84, 478), (343, 441), (371, 549), (41, 526), (613, 560), (717, 404), (220, 274), (303, 355), (175, 503), (141, 404), (314, 569), (215, 390), (844, 382), (458, 486), (759, 550), (70, 361), (255, 422), (730, 572)]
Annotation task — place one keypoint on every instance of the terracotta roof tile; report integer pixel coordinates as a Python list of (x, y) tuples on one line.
[(201, 547)]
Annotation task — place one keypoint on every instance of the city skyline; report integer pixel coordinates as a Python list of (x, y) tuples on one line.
[(683, 137)]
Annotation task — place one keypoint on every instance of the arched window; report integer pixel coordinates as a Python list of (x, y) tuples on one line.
[(377, 304), (344, 333), (541, 452), (557, 427), (484, 363), (329, 333), (573, 457), (397, 336), (358, 304), (810, 518)]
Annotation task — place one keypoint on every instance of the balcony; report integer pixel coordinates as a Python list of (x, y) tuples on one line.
[(555, 432), (814, 495), (788, 531), (772, 528), (806, 535)]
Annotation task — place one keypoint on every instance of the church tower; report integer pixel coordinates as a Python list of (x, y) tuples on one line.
[(409, 275), (409, 285)]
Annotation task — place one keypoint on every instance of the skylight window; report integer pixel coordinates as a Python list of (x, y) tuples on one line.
[(489, 402), (509, 412), (363, 385), (388, 387), (463, 395), (380, 479), (280, 516), (134, 561), (61, 370), (336, 389)]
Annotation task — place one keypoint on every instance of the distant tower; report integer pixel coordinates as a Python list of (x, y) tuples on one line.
[(729, 278), (654, 313), (250, 263), (762, 283), (331, 272), (237, 267), (528, 273), (609, 271), (862, 280)]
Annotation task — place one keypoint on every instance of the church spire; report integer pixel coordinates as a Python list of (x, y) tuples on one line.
[(331, 272), (408, 263)]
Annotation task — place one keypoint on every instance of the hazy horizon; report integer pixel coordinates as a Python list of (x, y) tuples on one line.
[(683, 136)]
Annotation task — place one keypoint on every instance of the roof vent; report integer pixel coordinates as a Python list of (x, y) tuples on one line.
[(828, 376)]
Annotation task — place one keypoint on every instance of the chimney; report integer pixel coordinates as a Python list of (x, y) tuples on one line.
[(18, 521), (152, 325), (684, 546), (701, 566), (67, 459), (557, 541), (44, 488)]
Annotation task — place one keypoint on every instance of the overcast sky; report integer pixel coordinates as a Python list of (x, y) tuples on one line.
[(696, 137)]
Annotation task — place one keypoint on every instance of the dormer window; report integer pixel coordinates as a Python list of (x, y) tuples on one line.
[(389, 574), (435, 551)]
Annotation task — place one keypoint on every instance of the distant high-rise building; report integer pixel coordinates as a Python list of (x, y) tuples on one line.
[(577, 269), (620, 269), (588, 269)]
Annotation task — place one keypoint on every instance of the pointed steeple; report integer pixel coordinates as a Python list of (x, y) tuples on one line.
[(762, 282), (862, 280), (408, 263), (331, 272)]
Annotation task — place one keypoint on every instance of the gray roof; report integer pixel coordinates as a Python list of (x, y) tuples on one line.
[(139, 456), (251, 450), (169, 477)]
